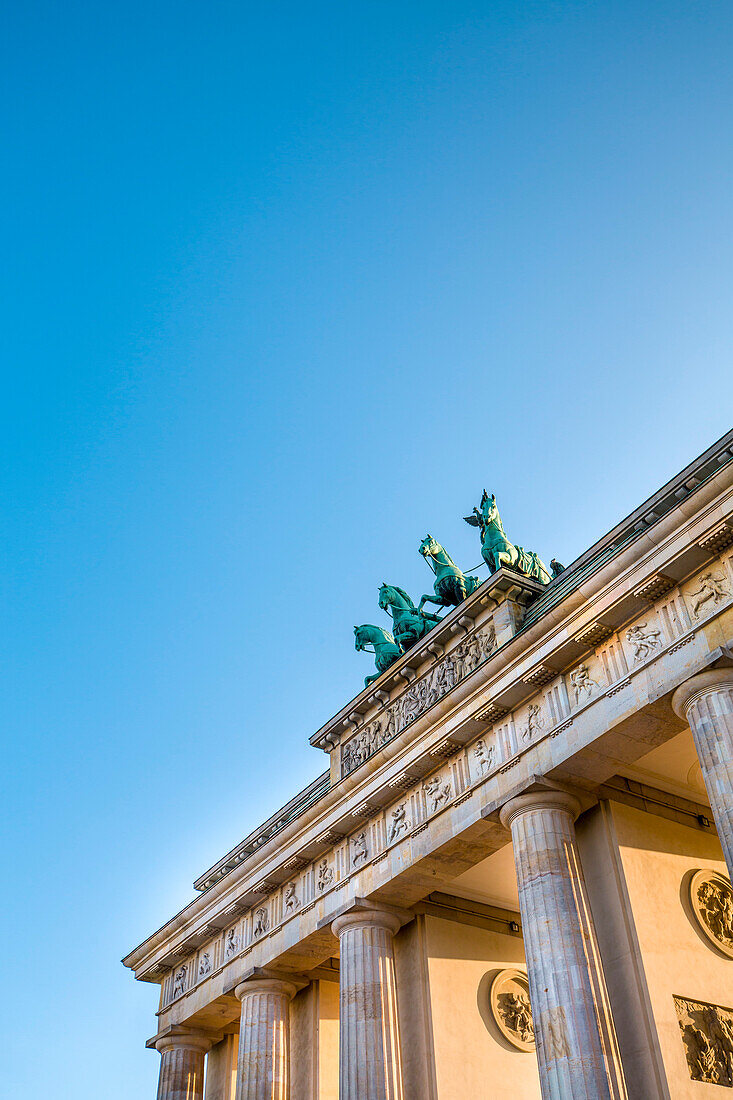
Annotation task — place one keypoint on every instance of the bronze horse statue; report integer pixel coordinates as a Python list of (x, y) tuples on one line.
[(496, 548)]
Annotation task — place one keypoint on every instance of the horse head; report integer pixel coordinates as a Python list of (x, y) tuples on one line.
[(429, 547), (488, 508), (391, 595), (371, 635)]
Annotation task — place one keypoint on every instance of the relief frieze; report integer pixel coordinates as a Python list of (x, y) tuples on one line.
[(713, 589), (582, 683), (231, 944), (399, 822), (418, 698), (438, 790), (179, 981), (511, 1009), (711, 901), (645, 640), (707, 1035), (291, 899)]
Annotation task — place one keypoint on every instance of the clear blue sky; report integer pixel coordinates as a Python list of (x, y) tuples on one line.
[(285, 286)]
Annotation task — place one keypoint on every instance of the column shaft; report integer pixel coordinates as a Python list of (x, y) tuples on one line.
[(706, 702), (576, 1042), (263, 1070), (370, 1066)]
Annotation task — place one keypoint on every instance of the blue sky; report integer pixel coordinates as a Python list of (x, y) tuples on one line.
[(285, 287)]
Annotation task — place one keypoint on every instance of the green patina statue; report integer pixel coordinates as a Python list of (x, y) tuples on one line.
[(385, 651), (451, 585), (410, 623), (496, 548)]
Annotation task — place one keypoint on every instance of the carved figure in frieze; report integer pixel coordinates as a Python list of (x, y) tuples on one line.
[(720, 1032), (439, 681), (497, 550), (204, 965), (290, 898), (716, 909), (582, 682), (511, 1009), (466, 656), (644, 640), (438, 791), (409, 622), (385, 651), (517, 1013), (535, 721), (700, 1055), (231, 943), (413, 702), (486, 639), (451, 585), (325, 875), (484, 755), (179, 982), (470, 652), (359, 748), (390, 720), (261, 923), (359, 849), (399, 822), (713, 588), (347, 758)]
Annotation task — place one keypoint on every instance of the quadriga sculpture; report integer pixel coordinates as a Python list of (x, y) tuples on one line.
[(496, 548), (385, 651), (410, 623), (451, 585)]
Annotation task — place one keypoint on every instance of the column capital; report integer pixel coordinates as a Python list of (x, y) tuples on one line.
[(539, 800), (278, 986), (714, 679), (183, 1038), (366, 914)]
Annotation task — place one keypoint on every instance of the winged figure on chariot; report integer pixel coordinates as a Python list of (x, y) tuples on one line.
[(497, 550)]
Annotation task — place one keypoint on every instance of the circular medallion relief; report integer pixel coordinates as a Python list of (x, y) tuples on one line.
[(711, 900), (510, 1008)]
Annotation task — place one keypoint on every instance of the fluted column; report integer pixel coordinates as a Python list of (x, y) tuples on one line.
[(263, 1069), (182, 1055), (370, 1065), (706, 702), (577, 1050)]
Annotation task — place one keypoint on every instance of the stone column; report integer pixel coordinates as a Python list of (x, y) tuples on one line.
[(576, 1042), (370, 1066), (182, 1065), (706, 702), (221, 1069), (263, 1063)]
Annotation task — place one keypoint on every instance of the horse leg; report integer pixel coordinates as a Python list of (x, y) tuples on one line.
[(433, 599)]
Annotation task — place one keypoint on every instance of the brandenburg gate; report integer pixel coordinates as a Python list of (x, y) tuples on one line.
[(513, 878)]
